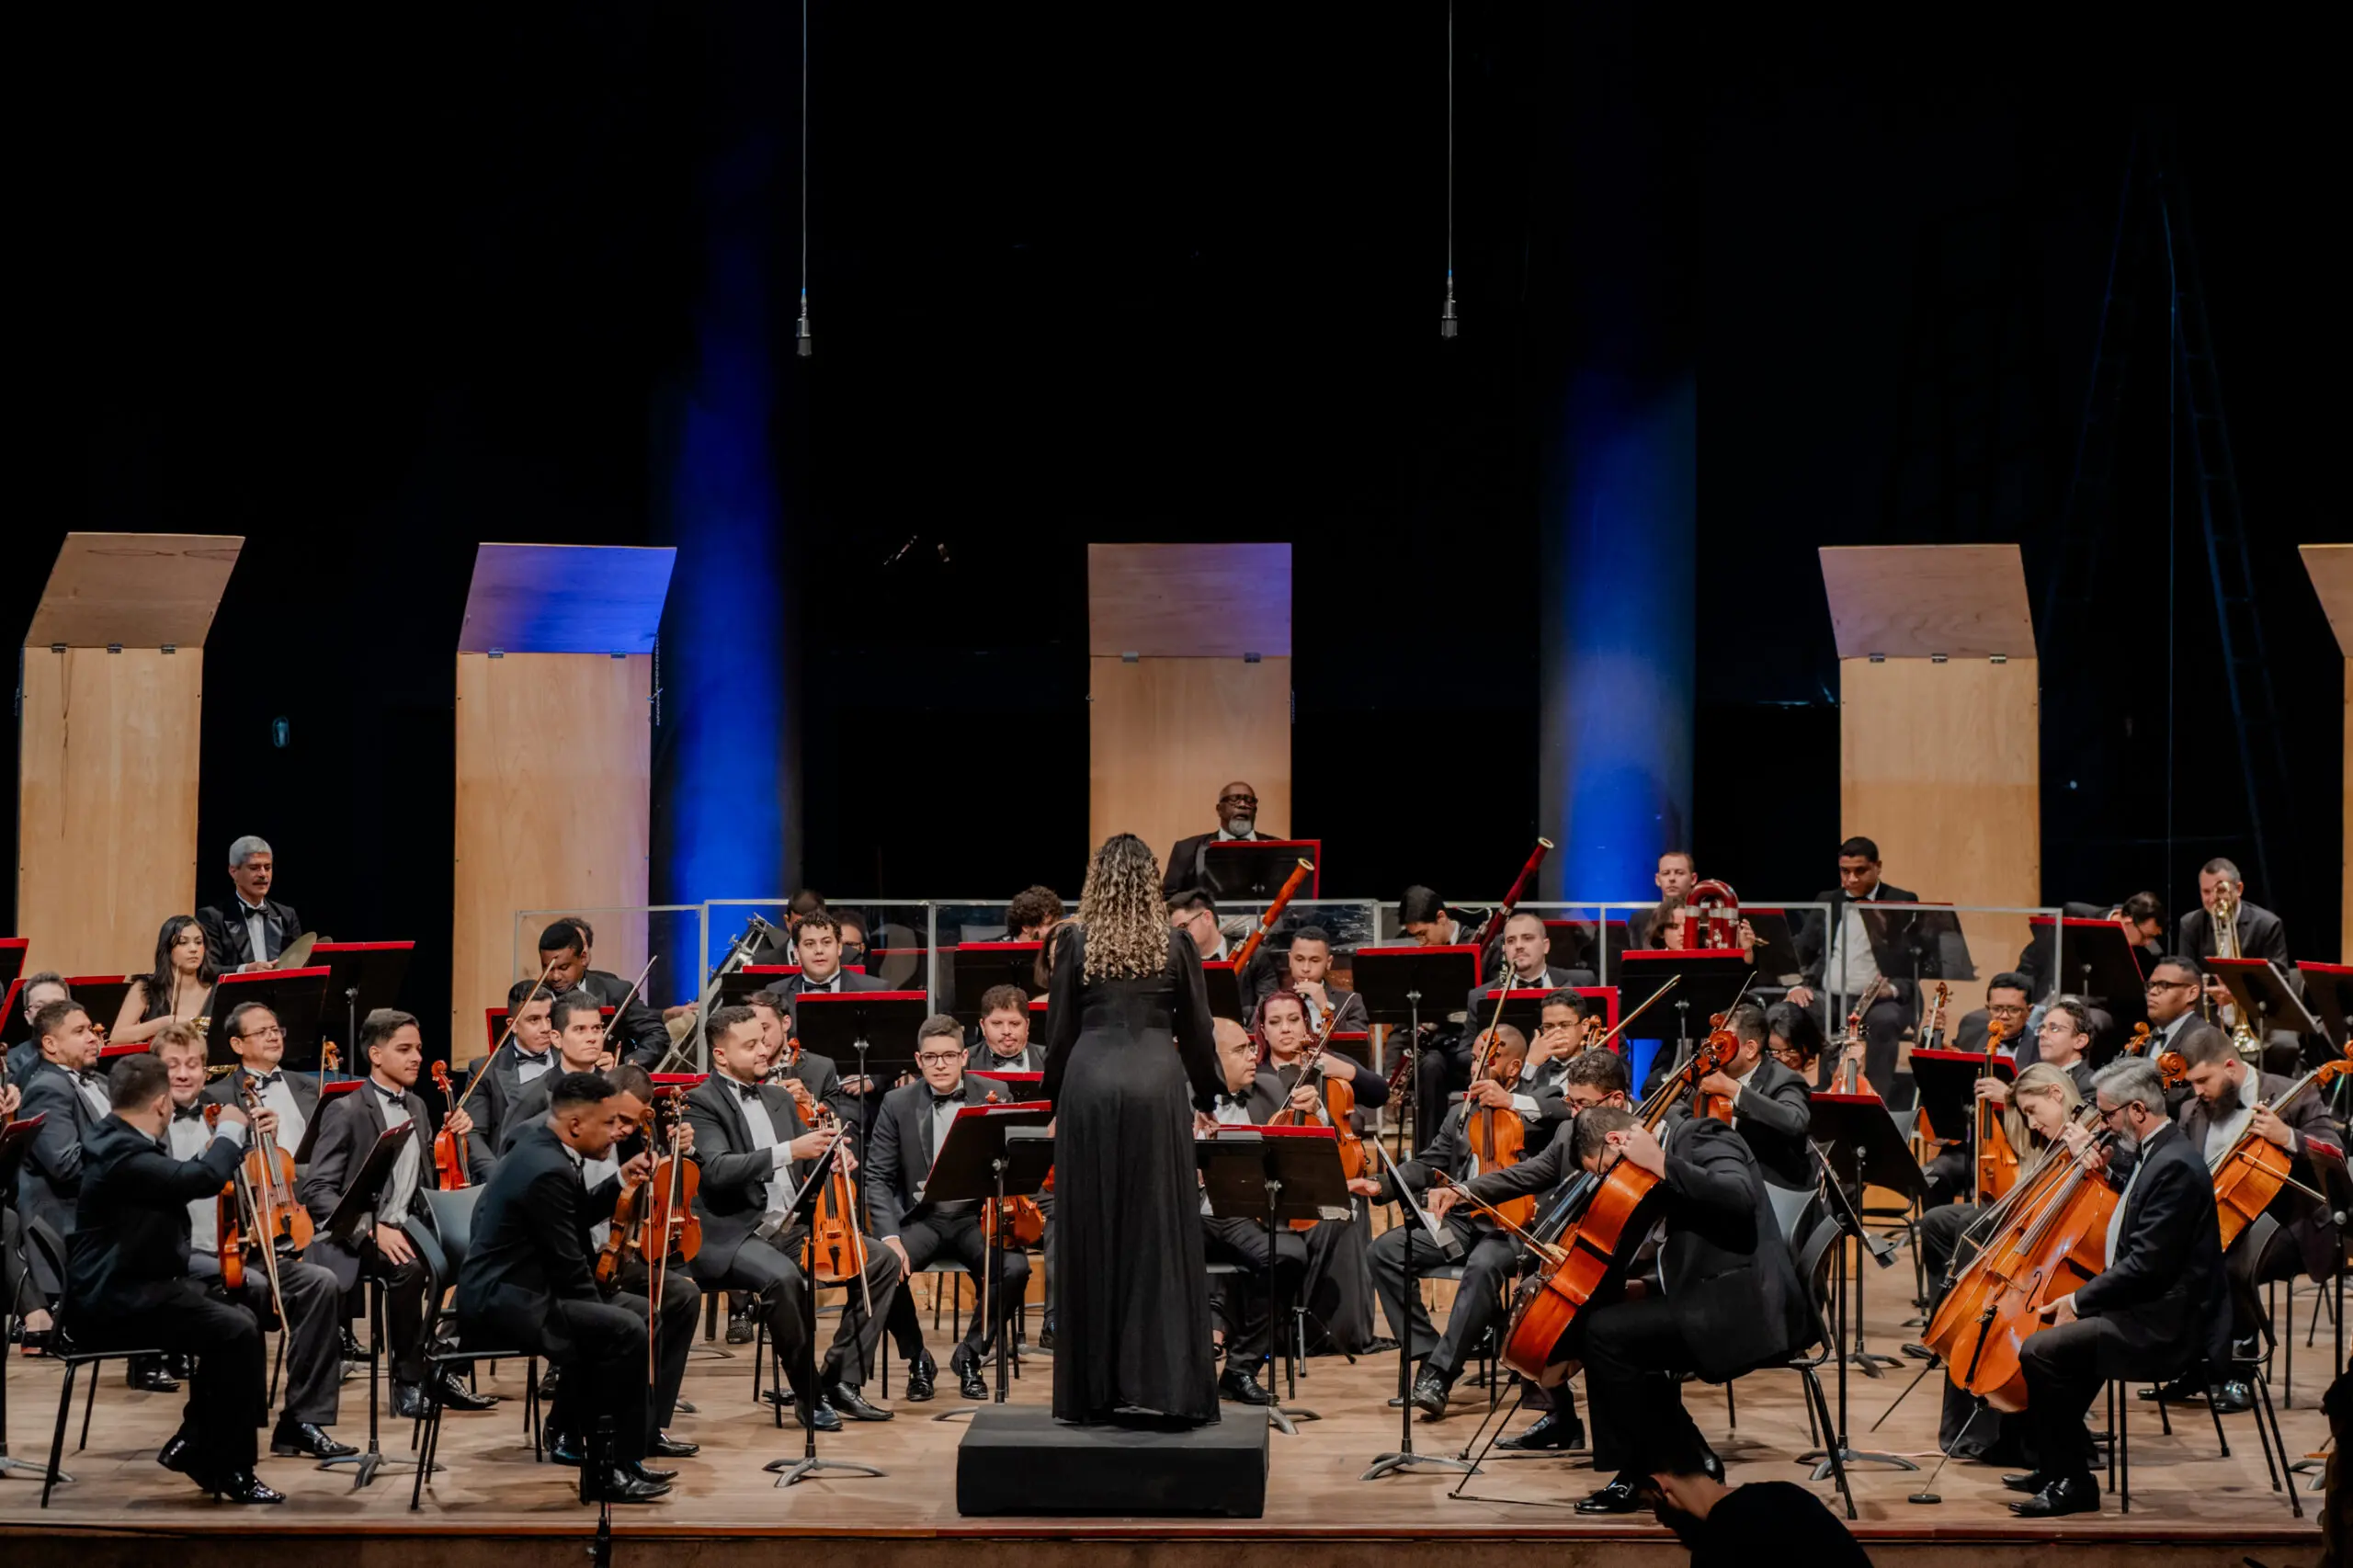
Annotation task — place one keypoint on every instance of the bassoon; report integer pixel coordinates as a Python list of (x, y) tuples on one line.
[(1305, 869), (1494, 924)]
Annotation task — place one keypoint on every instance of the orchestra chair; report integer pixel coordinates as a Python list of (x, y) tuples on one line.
[(452, 1214), (2120, 1398), (1816, 1259), (72, 1357)]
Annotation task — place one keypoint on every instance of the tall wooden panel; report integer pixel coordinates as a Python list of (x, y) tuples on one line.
[(111, 705), (1189, 685), (1939, 727), (2331, 567), (554, 756)]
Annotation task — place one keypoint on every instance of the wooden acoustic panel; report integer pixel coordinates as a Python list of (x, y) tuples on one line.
[(1916, 601), (106, 803), (1189, 601), (565, 598), (138, 590), (554, 763), (1164, 734), (2331, 567)]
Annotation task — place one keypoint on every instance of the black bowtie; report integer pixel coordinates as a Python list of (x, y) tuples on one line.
[(263, 1082), (1239, 1099), (536, 1058), (392, 1098), (954, 1097), (189, 1112), (750, 1092)]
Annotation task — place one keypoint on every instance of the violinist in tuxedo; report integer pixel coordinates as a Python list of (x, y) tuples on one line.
[(2142, 1317), (252, 928), (1004, 1045), (1238, 822), (2229, 1100), (38, 991), (1718, 1294), (259, 1041), (393, 1241), (813, 1070), (912, 1123), (313, 1355), (130, 1282), (756, 1153), (1527, 966), (574, 1027), (524, 1058), (1840, 961), (1772, 1108), (66, 1092), (564, 956)]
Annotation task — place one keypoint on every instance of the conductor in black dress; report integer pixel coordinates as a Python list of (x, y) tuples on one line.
[(1131, 1069)]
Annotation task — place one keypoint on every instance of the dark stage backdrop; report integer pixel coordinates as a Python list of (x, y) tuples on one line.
[(368, 299)]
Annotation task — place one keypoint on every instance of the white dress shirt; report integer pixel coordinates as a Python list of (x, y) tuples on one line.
[(2124, 1198), (531, 1069), (279, 1096), (256, 927), (400, 1189), (1853, 968), (93, 1090)]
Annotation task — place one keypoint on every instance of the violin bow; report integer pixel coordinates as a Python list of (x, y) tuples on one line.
[(1552, 1252), (627, 997), (475, 1081)]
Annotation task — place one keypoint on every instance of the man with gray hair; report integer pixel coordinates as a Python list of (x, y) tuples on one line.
[(253, 929)]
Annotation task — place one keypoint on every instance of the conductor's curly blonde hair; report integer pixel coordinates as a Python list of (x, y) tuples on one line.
[(1125, 918)]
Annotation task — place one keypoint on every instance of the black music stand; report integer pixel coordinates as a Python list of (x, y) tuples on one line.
[(802, 1210), (980, 966), (12, 959), (296, 996), (1258, 867), (2097, 964), (361, 977), (991, 1151), (1713, 978), (1858, 1129), (101, 996), (1271, 1174), (357, 1202), (1523, 1009), (2266, 1000), (1394, 983), (1946, 1082), (14, 1137), (876, 1027), (2329, 987)]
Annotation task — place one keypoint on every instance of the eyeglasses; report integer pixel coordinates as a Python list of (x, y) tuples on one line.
[(2171, 985), (275, 1031), (1237, 799), (938, 1058)]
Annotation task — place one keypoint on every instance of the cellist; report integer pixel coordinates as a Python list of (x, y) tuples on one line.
[(314, 1349), (2231, 1100), (2144, 1315), (1708, 1288), (1488, 1254)]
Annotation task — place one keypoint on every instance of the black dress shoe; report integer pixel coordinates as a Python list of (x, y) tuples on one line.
[(1381, 1346), (666, 1446), (173, 1456), (243, 1486), (686, 1408), (1429, 1395), (824, 1419), (2181, 1391), (1618, 1497), (148, 1376), (645, 1472), (2233, 1398), (1046, 1333), (456, 1396), (1241, 1387), (851, 1400), (620, 1486), (969, 1381), (921, 1372), (549, 1380), (304, 1440), (564, 1449), (739, 1328), (2032, 1482), (351, 1350), (1711, 1466), (2066, 1495), (1552, 1432), (1917, 1351)]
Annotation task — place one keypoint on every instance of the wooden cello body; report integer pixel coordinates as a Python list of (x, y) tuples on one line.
[(1548, 1301)]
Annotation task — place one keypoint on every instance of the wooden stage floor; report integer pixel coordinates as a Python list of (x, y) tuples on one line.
[(2189, 1505)]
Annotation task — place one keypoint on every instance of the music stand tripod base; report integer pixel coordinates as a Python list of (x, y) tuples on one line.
[(792, 1473), (1398, 1463)]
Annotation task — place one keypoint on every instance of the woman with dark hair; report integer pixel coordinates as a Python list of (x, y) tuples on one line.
[(1793, 1038), (1131, 1069), (179, 989)]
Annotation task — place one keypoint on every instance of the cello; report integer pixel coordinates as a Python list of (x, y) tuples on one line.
[(2250, 1173)]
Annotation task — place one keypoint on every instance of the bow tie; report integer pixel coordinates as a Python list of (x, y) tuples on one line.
[(536, 1058), (392, 1096), (189, 1112), (263, 1082), (750, 1092), (1239, 1099), (955, 1096)]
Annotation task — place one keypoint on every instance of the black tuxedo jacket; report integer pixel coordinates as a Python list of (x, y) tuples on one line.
[(2261, 935), (224, 1091), (2306, 1219), (818, 1073), (232, 944), (736, 1176), (980, 1060), (899, 1155), (348, 1129), (499, 1108), (49, 1180), (1774, 1114), (130, 1235), (1480, 1005), (2164, 1284), (1729, 1279), (638, 1034), (528, 1247), (1184, 871), (1911, 959)]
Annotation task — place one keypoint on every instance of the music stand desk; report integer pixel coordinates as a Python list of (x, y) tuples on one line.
[(2266, 1000), (296, 996), (2329, 987), (2101, 966), (1245, 868)]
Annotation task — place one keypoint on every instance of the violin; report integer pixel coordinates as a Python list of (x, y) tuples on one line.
[(268, 1172), (449, 1160), (834, 1252), (1335, 1109), (2250, 1173), (1996, 1161), (660, 1208), (1497, 1139), (229, 1243), (2045, 1239), (1024, 1222), (1721, 1043)]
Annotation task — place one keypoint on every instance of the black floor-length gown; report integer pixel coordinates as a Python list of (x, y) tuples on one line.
[(1127, 1060)]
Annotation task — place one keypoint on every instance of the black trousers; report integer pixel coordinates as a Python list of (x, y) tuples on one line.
[(956, 1236), (674, 1335), (313, 1347), (404, 1311), (1240, 1304), (1442, 1067), (18, 1294), (777, 1279), (1488, 1264), (604, 1369), (226, 1399), (1633, 1351), (2063, 1365)]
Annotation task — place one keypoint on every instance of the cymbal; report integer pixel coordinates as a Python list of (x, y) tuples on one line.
[(298, 952)]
